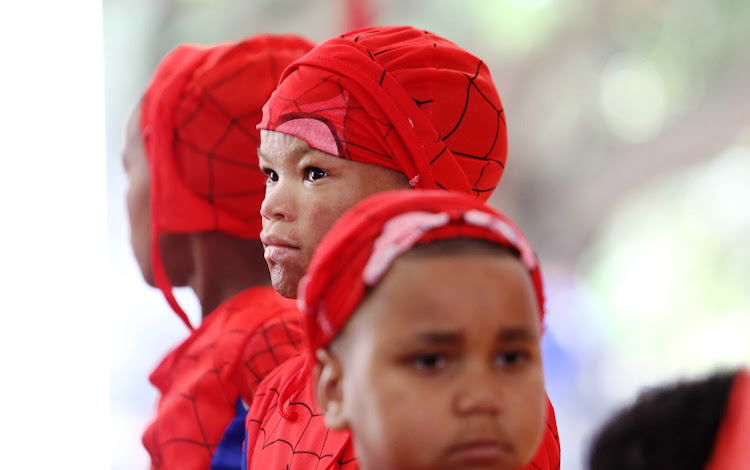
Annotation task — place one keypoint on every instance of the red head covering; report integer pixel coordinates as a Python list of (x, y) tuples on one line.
[(363, 243), (401, 98), (198, 119), (731, 447)]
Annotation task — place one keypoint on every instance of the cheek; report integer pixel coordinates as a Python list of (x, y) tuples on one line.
[(529, 414), (322, 213), (396, 416), (138, 205)]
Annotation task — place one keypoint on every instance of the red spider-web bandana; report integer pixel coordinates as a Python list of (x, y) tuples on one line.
[(400, 98), (362, 244), (198, 124)]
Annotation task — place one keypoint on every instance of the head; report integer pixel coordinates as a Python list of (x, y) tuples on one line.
[(397, 106), (190, 152), (426, 334), (698, 424)]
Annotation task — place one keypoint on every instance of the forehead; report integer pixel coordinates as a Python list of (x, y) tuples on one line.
[(455, 291), (276, 147)]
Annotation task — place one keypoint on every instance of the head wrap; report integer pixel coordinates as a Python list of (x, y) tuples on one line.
[(362, 244), (198, 119), (731, 446), (401, 98)]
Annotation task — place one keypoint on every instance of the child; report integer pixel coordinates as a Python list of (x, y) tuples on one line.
[(374, 110), (193, 199), (423, 315), (698, 424)]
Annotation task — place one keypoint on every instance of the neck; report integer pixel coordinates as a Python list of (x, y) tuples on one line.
[(224, 266)]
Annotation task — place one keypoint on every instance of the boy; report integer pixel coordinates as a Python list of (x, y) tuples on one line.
[(374, 110), (699, 424), (193, 198), (423, 315)]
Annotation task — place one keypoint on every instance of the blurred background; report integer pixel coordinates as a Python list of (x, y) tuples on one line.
[(628, 169)]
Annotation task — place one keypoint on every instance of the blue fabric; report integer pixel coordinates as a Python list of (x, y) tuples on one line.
[(229, 455)]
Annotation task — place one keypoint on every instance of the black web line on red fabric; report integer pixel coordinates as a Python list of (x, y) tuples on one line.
[(273, 340), (304, 93), (469, 100), (420, 103), (216, 156), (466, 104), (269, 438), (276, 333)]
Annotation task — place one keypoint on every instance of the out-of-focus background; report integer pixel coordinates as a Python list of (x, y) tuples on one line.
[(629, 170)]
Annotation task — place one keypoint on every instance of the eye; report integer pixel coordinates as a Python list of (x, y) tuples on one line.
[(272, 175), (314, 173), (511, 358), (429, 362)]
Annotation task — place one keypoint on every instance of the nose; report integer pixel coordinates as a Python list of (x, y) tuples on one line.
[(279, 202), (478, 392)]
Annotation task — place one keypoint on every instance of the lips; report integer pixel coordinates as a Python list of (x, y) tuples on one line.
[(278, 249), (481, 452)]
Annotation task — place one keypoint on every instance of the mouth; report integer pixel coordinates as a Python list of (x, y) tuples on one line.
[(278, 249), (481, 452)]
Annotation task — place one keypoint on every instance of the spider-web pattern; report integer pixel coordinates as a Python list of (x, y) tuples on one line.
[(302, 441), (458, 117), (198, 120), (215, 140), (222, 361)]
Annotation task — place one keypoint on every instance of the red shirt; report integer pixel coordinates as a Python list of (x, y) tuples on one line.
[(223, 361), (302, 441)]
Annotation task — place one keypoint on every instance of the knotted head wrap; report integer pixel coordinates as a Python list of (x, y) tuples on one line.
[(198, 125), (401, 98), (364, 242)]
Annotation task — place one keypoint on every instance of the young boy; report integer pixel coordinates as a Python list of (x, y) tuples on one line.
[(374, 110), (193, 199), (699, 424), (423, 315)]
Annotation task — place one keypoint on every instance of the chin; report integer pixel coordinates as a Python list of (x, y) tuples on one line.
[(284, 286)]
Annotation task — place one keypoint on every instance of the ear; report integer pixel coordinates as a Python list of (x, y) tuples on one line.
[(329, 393)]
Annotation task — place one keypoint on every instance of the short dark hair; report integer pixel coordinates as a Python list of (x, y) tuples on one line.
[(461, 246), (670, 427)]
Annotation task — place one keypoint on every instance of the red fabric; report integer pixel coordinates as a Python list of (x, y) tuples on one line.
[(224, 359), (335, 284), (298, 439), (401, 98), (732, 447), (284, 428), (198, 119)]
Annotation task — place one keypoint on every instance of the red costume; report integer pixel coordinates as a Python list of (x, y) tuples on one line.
[(198, 121), (403, 99), (283, 422)]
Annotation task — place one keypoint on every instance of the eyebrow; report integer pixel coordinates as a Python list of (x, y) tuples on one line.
[(440, 337), (517, 333)]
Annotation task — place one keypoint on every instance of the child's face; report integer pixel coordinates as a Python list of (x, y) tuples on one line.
[(139, 210), (441, 367), (306, 191)]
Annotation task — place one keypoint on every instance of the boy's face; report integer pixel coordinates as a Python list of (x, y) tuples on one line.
[(138, 202), (441, 367), (306, 191)]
